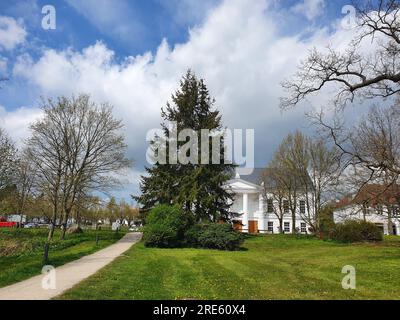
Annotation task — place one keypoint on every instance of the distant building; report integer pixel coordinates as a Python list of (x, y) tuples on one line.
[(16, 218), (375, 203)]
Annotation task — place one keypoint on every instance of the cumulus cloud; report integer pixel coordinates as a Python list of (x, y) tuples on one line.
[(16, 123), (12, 33), (311, 9), (237, 50)]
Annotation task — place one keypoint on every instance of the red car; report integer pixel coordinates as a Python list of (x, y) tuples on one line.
[(8, 224)]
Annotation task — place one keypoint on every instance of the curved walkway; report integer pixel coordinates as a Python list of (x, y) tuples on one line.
[(68, 275)]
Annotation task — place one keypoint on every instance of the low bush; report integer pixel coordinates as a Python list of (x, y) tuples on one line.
[(214, 236), (170, 227), (165, 227), (356, 231)]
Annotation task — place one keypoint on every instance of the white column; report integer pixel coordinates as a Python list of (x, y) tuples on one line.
[(245, 217), (261, 203), (262, 219)]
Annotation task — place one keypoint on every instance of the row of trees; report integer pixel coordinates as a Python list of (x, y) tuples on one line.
[(75, 148), (318, 170), (89, 210), (368, 151)]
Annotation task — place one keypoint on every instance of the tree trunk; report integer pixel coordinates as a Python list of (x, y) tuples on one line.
[(21, 219), (294, 222), (65, 223), (364, 210), (47, 244), (50, 235), (390, 222)]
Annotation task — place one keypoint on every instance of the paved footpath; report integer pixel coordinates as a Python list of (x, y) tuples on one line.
[(69, 274)]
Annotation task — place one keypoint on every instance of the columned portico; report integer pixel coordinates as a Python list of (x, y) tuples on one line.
[(247, 205), (245, 216), (249, 208), (261, 218)]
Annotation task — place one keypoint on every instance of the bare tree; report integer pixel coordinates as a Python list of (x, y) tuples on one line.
[(321, 181), (95, 150), (8, 157), (46, 151), (273, 185), (76, 146), (354, 72), (306, 170), (371, 147), (289, 160), (24, 183)]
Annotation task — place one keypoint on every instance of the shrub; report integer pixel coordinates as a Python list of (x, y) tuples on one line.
[(165, 227), (355, 231), (214, 236)]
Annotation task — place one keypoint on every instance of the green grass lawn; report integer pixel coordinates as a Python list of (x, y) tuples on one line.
[(269, 267), (21, 250)]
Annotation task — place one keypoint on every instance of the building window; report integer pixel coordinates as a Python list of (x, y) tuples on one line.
[(286, 227), (302, 206), (303, 227), (286, 206), (270, 226), (270, 206)]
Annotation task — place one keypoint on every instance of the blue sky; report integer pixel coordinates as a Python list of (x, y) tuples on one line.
[(132, 54)]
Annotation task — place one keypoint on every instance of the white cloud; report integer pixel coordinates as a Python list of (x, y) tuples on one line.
[(310, 8), (12, 33), (16, 123), (3, 65), (237, 51)]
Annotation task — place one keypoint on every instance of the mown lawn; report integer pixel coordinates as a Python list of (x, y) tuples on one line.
[(21, 250), (269, 267)]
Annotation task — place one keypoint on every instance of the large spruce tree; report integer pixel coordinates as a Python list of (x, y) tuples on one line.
[(198, 188)]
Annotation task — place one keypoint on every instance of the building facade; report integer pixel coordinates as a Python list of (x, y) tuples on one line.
[(254, 207)]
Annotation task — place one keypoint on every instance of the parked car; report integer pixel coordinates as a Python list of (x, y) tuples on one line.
[(134, 228), (30, 225)]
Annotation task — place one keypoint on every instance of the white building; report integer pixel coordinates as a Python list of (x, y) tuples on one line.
[(256, 211), (16, 218), (371, 204), (355, 212)]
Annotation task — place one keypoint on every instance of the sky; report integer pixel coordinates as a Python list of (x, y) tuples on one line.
[(132, 54)]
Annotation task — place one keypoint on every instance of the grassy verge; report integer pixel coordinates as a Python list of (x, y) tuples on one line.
[(21, 250), (269, 267)]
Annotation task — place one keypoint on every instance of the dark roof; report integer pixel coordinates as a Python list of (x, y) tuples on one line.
[(372, 194), (255, 177), (260, 175)]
